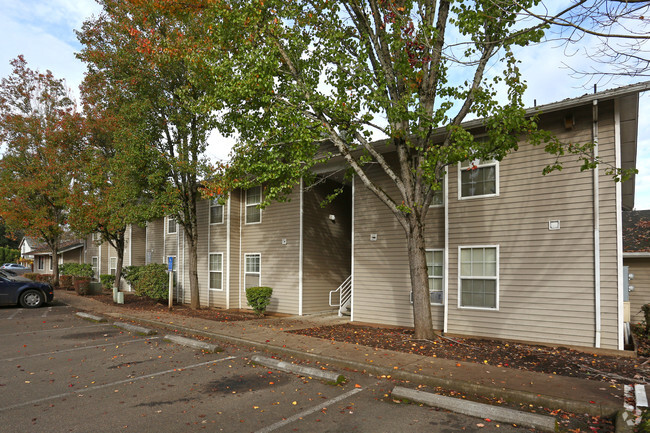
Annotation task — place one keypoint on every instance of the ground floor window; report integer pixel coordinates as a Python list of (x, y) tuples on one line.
[(216, 271), (252, 270), (479, 277), (112, 265), (435, 271), (40, 263)]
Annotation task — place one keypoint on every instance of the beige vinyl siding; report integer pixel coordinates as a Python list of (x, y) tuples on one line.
[(73, 256), (155, 240), (218, 238), (640, 296), (382, 282), (326, 245), (546, 284), (279, 263), (234, 212), (137, 238), (92, 250)]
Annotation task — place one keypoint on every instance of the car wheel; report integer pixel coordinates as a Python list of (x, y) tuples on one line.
[(31, 299)]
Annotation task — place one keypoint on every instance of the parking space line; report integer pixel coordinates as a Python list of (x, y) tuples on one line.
[(15, 314), (46, 311), (304, 413), (119, 382), (78, 348), (55, 329)]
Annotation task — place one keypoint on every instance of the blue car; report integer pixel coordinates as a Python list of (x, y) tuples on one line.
[(23, 291)]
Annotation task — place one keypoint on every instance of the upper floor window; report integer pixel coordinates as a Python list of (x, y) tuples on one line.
[(216, 212), (171, 225), (253, 200), (478, 178), (96, 237), (438, 196)]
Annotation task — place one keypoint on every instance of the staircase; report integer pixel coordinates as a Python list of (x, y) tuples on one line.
[(344, 292)]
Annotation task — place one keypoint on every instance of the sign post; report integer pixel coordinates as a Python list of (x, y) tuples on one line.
[(170, 269)]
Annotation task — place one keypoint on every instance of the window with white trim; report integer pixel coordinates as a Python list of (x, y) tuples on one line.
[(438, 196), (40, 265), (252, 270), (477, 178), (253, 200), (51, 262), (96, 237), (435, 272), (216, 271), (216, 212), (171, 225), (95, 266), (478, 276), (112, 265)]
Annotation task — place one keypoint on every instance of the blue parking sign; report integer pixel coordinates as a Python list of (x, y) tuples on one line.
[(170, 264)]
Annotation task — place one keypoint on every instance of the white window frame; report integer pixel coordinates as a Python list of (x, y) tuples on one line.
[(95, 237), (51, 262), (169, 220), (210, 271), (94, 263), (247, 205), (442, 278), (259, 273), (214, 203), (442, 194), (112, 270), (481, 164), (495, 277), (40, 263)]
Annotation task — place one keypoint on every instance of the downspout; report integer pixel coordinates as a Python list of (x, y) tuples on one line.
[(619, 227), (146, 243), (300, 252), (596, 229), (178, 265), (130, 244), (241, 253), (228, 257), (445, 258), (352, 259)]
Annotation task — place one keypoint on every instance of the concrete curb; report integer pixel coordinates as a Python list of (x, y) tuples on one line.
[(136, 329), (92, 317), (298, 369), (453, 384), (207, 347), (479, 410)]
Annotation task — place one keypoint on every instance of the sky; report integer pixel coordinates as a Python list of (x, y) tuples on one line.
[(43, 31)]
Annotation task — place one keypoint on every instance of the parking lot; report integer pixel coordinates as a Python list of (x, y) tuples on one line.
[(61, 373)]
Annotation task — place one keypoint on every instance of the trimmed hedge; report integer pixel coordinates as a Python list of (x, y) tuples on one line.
[(76, 269), (65, 281), (259, 298), (150, 280)]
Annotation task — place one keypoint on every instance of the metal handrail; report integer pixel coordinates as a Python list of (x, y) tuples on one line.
[(345, 294)]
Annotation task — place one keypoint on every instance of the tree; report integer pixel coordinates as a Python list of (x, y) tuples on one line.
[(42, 131), (293, 74), (116, 170), (135, 45)]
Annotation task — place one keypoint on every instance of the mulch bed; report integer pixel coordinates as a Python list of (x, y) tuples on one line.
[(543, 359), (142, 303)]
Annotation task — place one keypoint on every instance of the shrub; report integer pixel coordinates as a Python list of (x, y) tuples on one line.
[(150, 280), (107, 280), (44, 278), (76, 269), (259, 298), (65, 281), (31, 275), (82, 285)]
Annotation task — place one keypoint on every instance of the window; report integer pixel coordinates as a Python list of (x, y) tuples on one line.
[(40, 265), (96, 237), (479, 277), (478, 178), (434, 269), (438, 196), (216, 271), (171, 225), (216, 212), (112, 265), (253, 199), (51, 261), (95, 266), (252, 270)]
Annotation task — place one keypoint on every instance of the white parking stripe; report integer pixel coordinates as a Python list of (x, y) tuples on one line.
[(55, 329), (78, 348), (119, 382), (46, 311), (304, 413), (15, 314)]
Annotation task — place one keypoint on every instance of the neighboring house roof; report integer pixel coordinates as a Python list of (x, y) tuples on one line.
[(636, 233), (63, 247), (32, 243)]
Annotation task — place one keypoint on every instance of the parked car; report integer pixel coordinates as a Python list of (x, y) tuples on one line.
[(15, 268), (23, 291)]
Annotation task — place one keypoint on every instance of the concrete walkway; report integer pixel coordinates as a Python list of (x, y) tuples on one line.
[(551, 391)]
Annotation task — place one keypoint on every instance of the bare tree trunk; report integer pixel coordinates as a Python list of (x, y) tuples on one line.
[(195, 302), (120, 260), (419, 280), (55, 264)]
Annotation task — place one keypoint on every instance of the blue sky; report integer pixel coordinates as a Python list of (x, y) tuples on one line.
[(43, 31)]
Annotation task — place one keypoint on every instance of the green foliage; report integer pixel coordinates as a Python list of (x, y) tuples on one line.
[(646, 316), (9, 255), (259, 298), (65, 281), (76, 269), (107, 280), (150, 280)]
